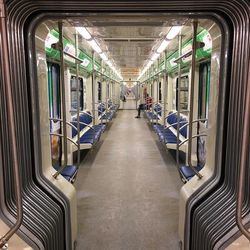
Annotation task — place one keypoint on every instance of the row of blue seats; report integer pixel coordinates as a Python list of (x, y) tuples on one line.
[(106, 115), (155, 113), (89, 135), (168, 136)]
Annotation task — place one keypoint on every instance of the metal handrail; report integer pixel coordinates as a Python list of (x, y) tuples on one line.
[(243, 163), (82, 112), (5, 63), (60, 120), (171, 125), (68, 138), (171, 114), (87, 125), (175, 112), (194, 121), (191, 105), (194, 136)]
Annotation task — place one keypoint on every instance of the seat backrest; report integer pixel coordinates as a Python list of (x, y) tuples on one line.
[(85, 118), (172, 118)]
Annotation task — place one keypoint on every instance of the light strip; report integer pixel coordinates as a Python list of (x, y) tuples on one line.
[(154, 56), (95, 46), (163, 46), (103, 56), (84, 32), (173, 32)]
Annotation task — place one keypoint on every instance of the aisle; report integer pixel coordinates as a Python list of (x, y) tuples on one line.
[(127, 191)]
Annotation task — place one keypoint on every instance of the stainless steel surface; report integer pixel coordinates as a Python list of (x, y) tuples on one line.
[(194, 121), (63, 101), (68, 138), (61, 120), (243, 163), (78, 102), (178, 100), (194, 136), (93, 93), (191, 98), (6, 73)]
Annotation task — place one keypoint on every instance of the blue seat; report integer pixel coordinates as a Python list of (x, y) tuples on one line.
[(84, 118), (69, 172), (188, 173)]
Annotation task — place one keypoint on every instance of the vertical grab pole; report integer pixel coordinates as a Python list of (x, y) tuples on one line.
[(158, 89), (178, 102), (165, 94), (93, 92), (190, 130), (5, 64), (62, 80), (78, 101)]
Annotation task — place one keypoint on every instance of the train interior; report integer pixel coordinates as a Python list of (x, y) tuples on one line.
[(128, 108)]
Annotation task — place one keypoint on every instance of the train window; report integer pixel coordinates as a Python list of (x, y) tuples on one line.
[(160, 92), (54, 89), (204, 87), (99, 91), (74, 94), (183, 90), (108, 89)]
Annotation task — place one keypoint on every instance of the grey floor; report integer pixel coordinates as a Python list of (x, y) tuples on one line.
[(128, 190)]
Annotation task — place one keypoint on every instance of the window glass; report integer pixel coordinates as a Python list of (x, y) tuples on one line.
[(204, 86), (75, 94), (183, 90)]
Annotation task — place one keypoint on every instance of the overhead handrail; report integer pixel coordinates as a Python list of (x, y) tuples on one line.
[(105, 76), (243, 163), (5, 63), (156, 74)]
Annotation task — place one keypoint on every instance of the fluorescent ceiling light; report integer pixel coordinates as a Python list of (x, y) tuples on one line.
[(84, 32), (149, 64), (173, 32), (104, 57), (155, 56), (109, 64), (95, 46), (163, 46)]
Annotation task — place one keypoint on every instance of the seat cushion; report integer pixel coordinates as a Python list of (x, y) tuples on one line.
[(68, 172), (187, 172)]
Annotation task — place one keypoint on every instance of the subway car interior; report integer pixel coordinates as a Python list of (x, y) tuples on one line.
[(130, 128)]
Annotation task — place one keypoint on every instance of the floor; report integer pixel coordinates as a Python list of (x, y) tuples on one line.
[(128, 190)]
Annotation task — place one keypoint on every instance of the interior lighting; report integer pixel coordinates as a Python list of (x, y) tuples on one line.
[(163, 46), (155, 56), (149, 64), (174, 31), (109, 64), (95, 46), (84, 32), (104, 57)]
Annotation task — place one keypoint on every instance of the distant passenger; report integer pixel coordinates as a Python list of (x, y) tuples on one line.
[(146, 105)]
